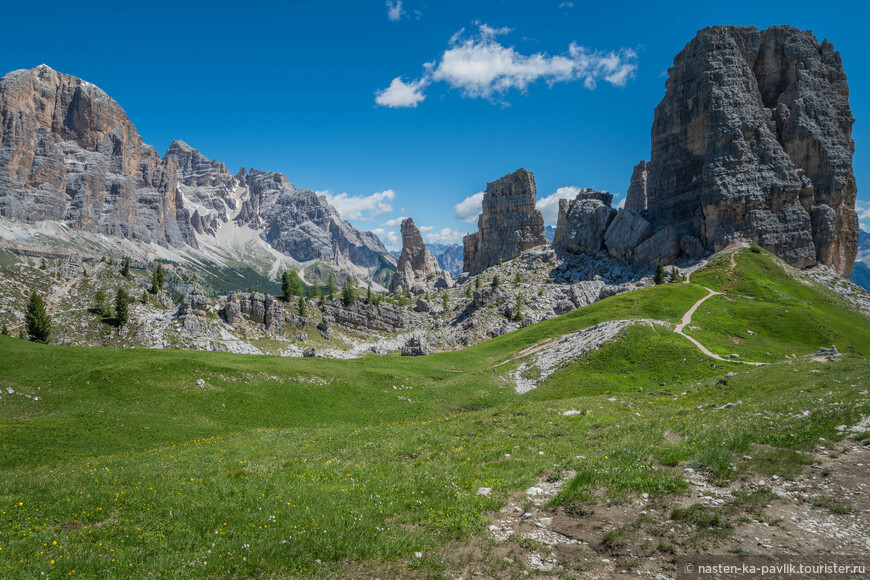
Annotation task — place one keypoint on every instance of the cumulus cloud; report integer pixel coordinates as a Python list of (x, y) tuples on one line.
[(481, 67), (395, 10), (445, 236), (358, 207), (469, 208), (566, 5), (863, 209), (424, 229), (401, 94), (620, 204), (549, 206), (389, 238), (394, 222)]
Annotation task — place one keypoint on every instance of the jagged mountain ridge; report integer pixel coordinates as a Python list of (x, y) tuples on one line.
[(70, 154)]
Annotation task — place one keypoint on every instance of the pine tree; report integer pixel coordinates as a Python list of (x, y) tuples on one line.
[(675, 275), (477, 283), (518, 278), (36, 321), (495, 281), (660, 274), (285, 286), (4, 331), (468, 291), (444, 301), (369, 293), (330, 287), (518, 309), (43, 265), (302, 306), (125, 268), (122, 300), (100, 303), (348, 291), (157, 279)]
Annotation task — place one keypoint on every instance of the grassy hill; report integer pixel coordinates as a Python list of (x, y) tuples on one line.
[(200, 464)]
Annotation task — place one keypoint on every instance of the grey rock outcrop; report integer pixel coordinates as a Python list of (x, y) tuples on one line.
[(69, 153), (70, 268), (627, 230), (417, 346), (508, 225), (416, 265), (381, 317), (661, 248), (193, 310), (583, 221), (635, 197), (256, 307), (752, 140)]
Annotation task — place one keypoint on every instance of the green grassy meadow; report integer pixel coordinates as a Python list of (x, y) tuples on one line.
[(279, 467)]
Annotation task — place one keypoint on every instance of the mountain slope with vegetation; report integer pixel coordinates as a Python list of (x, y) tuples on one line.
[(382, 466)]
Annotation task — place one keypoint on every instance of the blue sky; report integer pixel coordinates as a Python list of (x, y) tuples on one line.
[(565, 89)]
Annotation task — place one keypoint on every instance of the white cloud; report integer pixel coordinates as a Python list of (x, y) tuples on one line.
[(395, 10), (445, 236), (549, 206), (394, 222), (401, 94), (357, 207), (469, 208), (620, 204), (863, 209), (424, 229), (389, 238), (482, 67), (566, 5)]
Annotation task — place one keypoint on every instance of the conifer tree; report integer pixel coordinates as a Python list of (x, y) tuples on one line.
[(100, 303), (495, 281), (518, 309), (125, 268), (330, 287), (477, 283), (468, 291), (122, 301), (518, 278), (36, 321), (369, 293), (302, 306), (348, 291), (4, 331), (660, 274)]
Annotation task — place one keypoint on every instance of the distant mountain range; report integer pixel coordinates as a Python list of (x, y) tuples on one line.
[(76, 176)]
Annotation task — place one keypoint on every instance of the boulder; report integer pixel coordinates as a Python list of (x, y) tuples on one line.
[(583, 221), (662, 248), (627, 230)]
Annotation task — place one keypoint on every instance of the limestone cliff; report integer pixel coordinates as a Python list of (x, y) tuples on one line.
[(753, 140), (508, 225), (69, 153), (416, 265)]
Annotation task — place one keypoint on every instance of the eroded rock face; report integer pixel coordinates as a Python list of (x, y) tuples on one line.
[(257, 307), (753, 140), (416, 265), (304, 226), (627, 230), (383, 317), (583, 221), (68, 152), (193, 310), (635, 197), (508, 225)]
